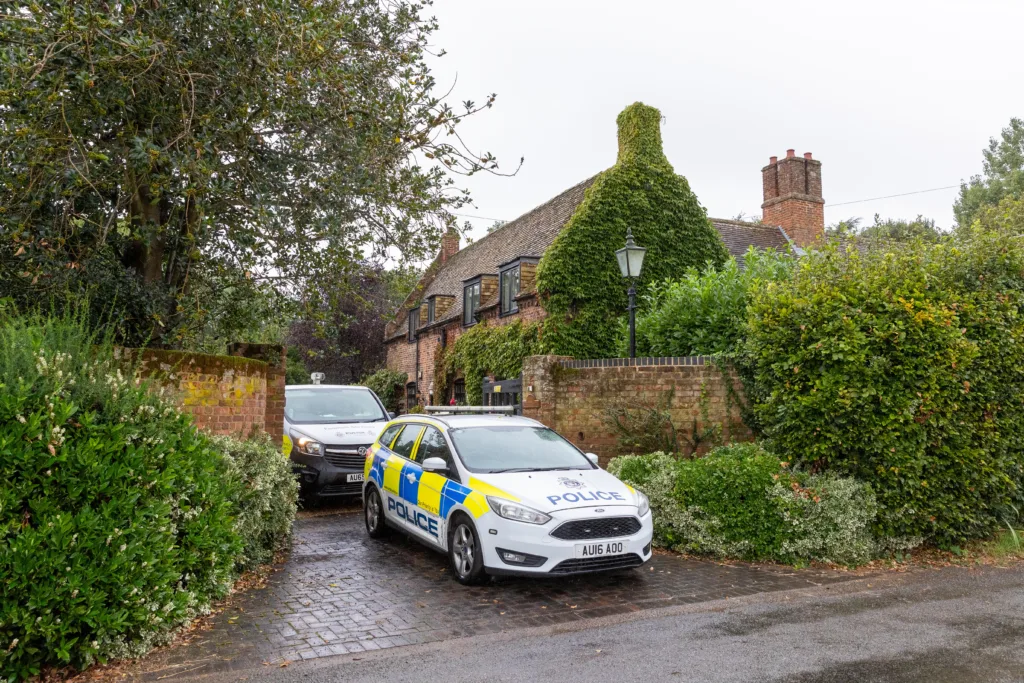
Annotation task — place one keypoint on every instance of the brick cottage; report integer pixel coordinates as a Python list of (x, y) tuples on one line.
[(493, 279)]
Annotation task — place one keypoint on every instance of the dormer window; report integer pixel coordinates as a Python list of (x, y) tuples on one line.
[(470, 302), (509, 290), (414, 319)]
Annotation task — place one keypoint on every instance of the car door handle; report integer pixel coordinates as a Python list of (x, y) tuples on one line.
[(411, 477)]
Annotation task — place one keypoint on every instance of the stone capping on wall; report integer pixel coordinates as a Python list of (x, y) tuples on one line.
[(635, 362)]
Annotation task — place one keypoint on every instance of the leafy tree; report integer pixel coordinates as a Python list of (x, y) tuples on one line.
[(896, 229), (341, 332), (844, 228), (1003, 175), (495, 225), (159, 152), (902, 230), (578, 278), (704, 312)]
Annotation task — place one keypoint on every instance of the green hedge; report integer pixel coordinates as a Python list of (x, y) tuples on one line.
[(388, 385), (903, 365), (268, 500), (578, 278), (742, 502), (118, 519)]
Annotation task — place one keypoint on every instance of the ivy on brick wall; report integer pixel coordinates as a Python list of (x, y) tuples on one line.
[(485, 349), (578, 278)]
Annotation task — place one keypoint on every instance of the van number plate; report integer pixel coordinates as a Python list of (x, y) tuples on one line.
[(599, 549), (354, 477)]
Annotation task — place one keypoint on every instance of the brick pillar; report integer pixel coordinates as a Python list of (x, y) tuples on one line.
[(275, 356), (540, 381), (449, 244)]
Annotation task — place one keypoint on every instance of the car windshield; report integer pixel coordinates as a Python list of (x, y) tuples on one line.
[(518, 448), (331, 405)]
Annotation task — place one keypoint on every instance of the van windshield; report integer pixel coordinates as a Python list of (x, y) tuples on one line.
[(331, 405), (520, 448)]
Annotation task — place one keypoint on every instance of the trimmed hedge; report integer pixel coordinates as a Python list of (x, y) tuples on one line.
[(742, 502), (578, 278), (903, 365), (118, 519)]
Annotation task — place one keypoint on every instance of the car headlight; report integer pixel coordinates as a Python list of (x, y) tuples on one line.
[(517, 513), (307, 445), (643, 505)]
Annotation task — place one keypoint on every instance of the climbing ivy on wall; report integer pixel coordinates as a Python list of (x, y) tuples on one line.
[(578, 278), (497, 350)]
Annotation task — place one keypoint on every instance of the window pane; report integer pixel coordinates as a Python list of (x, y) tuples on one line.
[(331, 404), (388, 436), (433, 445), (406, 440), (528, 448)]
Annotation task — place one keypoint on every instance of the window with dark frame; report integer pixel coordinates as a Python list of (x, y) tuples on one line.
[(414, 319), (509, 290), (410, 395), (430, 310), (460, 391), (470, 302)]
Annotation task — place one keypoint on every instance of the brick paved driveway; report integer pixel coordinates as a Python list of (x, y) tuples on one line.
[(341, 592)]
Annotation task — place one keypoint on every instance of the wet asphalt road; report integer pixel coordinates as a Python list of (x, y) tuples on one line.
[(936, 626)]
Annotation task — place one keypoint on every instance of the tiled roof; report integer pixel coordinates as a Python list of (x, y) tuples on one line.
[(529, 235), (739, 237), (532, 233)]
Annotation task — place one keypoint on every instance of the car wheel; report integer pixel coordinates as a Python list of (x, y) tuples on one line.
[(373, 514), (464, 552)]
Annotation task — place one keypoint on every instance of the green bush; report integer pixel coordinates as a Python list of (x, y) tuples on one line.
[(387, 384), (742, 502), (902, 366), (578, 278), (116, 515), (119, 520), (269, 497), (703, 312)]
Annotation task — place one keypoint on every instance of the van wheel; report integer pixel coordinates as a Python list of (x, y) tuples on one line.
[(464, 552), (373, 514)]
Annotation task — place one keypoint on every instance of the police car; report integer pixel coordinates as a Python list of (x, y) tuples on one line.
[(502, 495), (327, 431)]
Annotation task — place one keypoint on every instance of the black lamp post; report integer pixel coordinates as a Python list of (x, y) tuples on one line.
[(631, 260)]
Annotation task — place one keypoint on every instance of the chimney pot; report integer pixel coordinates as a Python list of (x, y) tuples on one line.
[(790, 153), (773, 160), (807, 155)]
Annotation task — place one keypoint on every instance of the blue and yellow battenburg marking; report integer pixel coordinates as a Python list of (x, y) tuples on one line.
[(434, 493)]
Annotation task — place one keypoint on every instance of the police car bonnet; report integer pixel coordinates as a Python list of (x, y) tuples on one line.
[(563, 489)]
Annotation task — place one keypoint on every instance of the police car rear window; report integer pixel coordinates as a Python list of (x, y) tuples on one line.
[(516, 449)]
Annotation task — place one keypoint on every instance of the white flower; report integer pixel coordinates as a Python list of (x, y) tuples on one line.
[(21, 419), (121, 549)]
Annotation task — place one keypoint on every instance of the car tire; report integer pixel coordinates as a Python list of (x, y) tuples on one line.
[(373, 514), (465, 555)]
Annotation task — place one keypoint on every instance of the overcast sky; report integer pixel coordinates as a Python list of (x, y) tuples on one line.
[(892, 97)]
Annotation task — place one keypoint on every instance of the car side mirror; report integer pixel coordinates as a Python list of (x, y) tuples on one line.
[(392, 415), (435, 465), (592, 457)]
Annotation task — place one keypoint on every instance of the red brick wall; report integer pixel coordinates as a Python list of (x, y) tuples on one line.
[(573, 401), (225, 395)]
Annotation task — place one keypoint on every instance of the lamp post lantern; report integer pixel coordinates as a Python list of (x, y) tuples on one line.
[(631, 260)]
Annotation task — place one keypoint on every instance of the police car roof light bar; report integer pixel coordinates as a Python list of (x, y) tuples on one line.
[(471, 410)]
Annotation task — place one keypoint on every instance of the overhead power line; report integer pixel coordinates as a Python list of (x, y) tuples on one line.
[(483, 218), (890, 196)]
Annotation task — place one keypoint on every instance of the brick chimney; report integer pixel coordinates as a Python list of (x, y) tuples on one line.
[(792, 197), (449, 244)]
